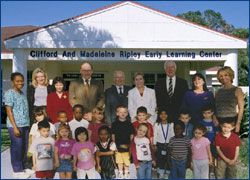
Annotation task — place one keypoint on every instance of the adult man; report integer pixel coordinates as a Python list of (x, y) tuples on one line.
[(116, 95), (170, 91), (86, 91)]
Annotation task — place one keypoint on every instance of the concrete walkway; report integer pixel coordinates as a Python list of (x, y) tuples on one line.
[(7, 171)]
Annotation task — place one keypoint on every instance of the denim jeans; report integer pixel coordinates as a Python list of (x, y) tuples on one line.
[(145, 170), (19, 148), (178, 169)]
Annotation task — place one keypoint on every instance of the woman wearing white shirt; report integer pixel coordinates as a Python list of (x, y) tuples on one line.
[(141, 95)]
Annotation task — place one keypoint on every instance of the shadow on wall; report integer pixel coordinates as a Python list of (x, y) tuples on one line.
[(71, 34)]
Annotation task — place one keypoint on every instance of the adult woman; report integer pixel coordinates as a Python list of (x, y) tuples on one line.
[(194, 100), (58, 101), (228, 98), (18, 125), (141, 95), (38, 91)]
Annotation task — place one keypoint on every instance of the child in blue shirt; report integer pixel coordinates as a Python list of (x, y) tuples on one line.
[(207, 121)]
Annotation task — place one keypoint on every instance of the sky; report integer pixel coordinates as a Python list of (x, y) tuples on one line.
[(41, 13)]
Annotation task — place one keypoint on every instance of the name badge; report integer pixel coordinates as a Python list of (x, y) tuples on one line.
[(163, 153)]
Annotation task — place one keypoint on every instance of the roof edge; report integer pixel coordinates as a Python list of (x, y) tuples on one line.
[(124, 2)]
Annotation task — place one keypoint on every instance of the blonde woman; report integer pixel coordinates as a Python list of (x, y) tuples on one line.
[(229, 99), (141, 95), (38, 91)]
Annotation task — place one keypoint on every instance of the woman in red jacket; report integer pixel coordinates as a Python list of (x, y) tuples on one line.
[(58, 101)]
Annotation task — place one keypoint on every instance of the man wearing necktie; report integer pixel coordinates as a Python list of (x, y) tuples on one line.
[(170, 91), (116, 95), (86, 91)]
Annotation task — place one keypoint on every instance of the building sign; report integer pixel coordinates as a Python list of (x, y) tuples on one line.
[(125, 54)]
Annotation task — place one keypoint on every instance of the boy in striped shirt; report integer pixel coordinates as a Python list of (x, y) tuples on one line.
[(180, 152)]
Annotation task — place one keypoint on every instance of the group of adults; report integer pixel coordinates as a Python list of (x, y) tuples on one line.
[(171, 94)]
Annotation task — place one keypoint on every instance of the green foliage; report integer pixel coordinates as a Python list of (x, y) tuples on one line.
[(243, 67), (244, 128), (242, 33), (5, 139), (243, 165), (194, 16), (208, 18)]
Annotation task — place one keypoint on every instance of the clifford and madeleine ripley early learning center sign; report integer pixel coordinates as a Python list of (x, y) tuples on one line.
[(134, 54)]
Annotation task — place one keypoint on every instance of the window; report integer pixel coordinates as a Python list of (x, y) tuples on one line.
[(151, 78)]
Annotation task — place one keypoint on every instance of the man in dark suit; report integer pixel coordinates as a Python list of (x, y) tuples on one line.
[(116, 95), (86, 91), (170, 91)]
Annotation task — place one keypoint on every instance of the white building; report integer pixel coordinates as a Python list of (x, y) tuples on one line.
[(127, 36)]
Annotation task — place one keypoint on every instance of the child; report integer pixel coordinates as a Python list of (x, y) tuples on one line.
[(163, 131), (185, 118), (142, 117), (83, 154), (18, 125), (40, 116), (142, 153), (122, 134), (78, 120), (42, 149), (87, 114), (105, 150), (227, 145), (207, 121), (201, 154), (207, 112), (63, 147), (61, 118), (180, 151), (96, 123)]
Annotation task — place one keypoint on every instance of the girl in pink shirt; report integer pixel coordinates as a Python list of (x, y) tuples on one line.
[(201, 154), (63, 147), (83, 153)]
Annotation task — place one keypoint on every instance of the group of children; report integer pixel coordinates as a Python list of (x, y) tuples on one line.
[(86, 145)]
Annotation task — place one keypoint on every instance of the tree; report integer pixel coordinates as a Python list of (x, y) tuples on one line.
[(215, 21), (210, 19)]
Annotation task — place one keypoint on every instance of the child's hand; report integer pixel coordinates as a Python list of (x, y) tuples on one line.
[(99, 169), (34, 167), (232, 162), (210, 162), (154, 163), (56, 165), (191, 166), (75, 168)]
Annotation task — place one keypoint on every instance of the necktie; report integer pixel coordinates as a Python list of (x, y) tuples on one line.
[(170, 87), (120, 90), (87, 82)]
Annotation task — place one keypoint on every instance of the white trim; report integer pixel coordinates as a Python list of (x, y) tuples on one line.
[(6, 56)]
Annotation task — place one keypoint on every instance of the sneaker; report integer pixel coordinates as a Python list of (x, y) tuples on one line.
[(21, 175), (120, 175), (211, 175), (126, 176), (29, 171), (161, 176)]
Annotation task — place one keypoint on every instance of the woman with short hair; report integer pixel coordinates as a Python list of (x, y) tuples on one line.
[(141, 95)]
